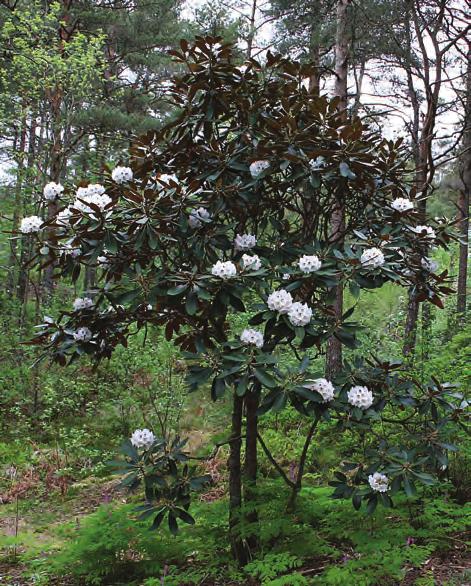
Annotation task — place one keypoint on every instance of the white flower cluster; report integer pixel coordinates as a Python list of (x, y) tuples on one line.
[(72, 251), (63, 217), (224, 270), (30, 224), (360, 397), (402, 204), (83, 335), (428, 264), (378, 482), (250, 336), (280, 301), (93, 194), (258, 167), (82, 303), (122, 174), (142, 438), (426, 231), (103, 261), (300, 314), (166, 178), (252, 263), (322, 386), (372, 258), (198, 217), (309, 264), (317, 163), (244, 241), (52, 191)]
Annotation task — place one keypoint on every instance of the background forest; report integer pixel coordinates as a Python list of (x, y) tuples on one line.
[(87, 97)]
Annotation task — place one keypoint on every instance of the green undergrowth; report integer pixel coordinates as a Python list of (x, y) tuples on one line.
[(325, 542)]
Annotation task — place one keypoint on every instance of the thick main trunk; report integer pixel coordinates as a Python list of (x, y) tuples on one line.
[(250, 468), (238, 546), (334, 347)]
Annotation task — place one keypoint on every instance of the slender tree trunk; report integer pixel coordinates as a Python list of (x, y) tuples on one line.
[(463, 201), (250, 466), (251, 35), (20, 151), (296, 489), (58, 130), (238, 546), (334, 347), (315, 78)]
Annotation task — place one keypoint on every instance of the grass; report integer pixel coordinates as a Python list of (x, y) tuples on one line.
[(325, 542)]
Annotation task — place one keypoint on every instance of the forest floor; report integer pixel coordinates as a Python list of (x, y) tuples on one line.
[(36, 521)]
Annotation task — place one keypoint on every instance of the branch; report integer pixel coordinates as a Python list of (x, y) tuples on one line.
[(274, 462)]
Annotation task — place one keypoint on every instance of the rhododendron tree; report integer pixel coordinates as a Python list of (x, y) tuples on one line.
[(227, 210)]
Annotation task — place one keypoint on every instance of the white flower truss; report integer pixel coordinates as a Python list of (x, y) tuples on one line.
[(83, 335), (309, 264), (68, 249), (322, 386), (224, 270), (250, 336), (244, 241), (93, 194), (426, 231), (82, 303), (372, 258), (360, 397), (299, 314), (378, 482), (103, 261), (30, 224), (63, 217), (280, 301), (52, 191), (317, 163), (252, 263), (198, 217), (122, 174), (166, 178), (402, 204), (428, 264), (142, 438), (258, 167)]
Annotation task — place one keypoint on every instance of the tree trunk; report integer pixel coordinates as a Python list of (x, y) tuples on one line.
[(238, 546), (315, 78), (252, 399), (296, 489), (334, 346), (20, 152), (463, 200), (252, 29), (58, 131)]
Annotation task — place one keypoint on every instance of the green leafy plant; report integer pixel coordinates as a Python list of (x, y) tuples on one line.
[(227, 211), (168, 480)]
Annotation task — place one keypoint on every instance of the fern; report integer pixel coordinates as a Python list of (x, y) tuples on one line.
[(271, 566)]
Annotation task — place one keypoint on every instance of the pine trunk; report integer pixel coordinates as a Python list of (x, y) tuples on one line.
[(463, 202), (20, 152), (334, 347)]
